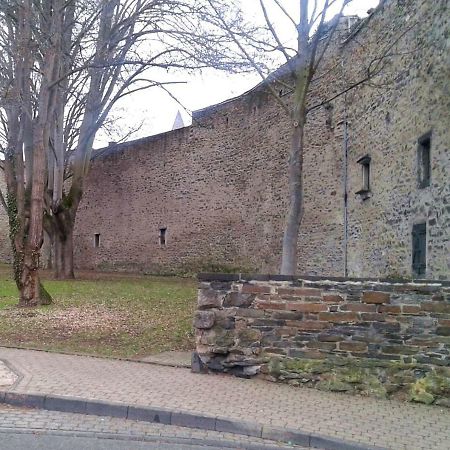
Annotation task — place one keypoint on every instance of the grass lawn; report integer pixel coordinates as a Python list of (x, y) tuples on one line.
[(116, 315)]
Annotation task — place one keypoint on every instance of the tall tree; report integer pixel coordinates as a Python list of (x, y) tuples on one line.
[(30, 65), (312, 37)]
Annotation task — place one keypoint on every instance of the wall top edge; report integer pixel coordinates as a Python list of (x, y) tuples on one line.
[(224, 277)]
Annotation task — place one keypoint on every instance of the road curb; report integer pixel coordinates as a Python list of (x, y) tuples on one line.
[(178, 418)]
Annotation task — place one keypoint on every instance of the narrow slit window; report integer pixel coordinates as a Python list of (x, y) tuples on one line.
[(365, 175), (424, 160), (97, 240), (162, 236), (419, 249)]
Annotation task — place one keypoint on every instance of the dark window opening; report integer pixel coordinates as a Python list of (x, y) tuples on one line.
[(419, 248), (365, 176), (97, 240), (424, 160), (162, 236)]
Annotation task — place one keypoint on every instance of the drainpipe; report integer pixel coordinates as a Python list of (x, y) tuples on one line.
[(345, 148)]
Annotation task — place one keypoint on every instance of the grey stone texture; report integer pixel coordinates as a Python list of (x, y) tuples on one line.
[(367, 337)]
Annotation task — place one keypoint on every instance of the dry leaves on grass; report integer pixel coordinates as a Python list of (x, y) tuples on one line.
[(75, 319)]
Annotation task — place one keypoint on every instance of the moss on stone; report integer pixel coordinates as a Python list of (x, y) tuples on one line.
[(352, 375), (429, 388), (308, 366), (334, 386)]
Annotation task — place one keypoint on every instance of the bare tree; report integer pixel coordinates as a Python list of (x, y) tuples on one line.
[(64, 65), (302, 59), (28, 103)]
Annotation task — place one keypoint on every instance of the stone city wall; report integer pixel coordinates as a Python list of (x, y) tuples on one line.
[(219, 187), (372, 337)]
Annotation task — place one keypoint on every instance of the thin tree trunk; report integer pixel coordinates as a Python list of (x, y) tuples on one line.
[(295, 214)]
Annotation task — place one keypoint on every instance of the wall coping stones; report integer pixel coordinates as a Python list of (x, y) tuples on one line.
[(216, 276)]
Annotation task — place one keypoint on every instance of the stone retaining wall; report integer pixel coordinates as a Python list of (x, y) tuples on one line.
[(369, 336)]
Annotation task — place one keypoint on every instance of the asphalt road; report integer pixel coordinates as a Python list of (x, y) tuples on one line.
[(52, 441), (34, 429)]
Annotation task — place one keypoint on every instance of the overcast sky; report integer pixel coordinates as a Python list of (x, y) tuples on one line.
[(156, 111)]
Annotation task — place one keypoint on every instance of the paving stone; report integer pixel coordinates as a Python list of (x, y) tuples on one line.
[(368, 421)]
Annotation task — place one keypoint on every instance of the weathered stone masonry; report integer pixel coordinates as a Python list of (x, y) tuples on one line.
[(219, 187), (372, 337)]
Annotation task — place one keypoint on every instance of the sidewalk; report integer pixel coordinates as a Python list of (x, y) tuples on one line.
[(367, 421)]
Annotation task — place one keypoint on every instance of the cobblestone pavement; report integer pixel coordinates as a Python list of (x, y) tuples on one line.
[(40, 421), (7, 376), (390, 424)]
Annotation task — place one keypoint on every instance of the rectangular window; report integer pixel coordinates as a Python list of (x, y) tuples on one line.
[(424, 160), (365, 176), (162, 236), (419, 249), (97, 240)]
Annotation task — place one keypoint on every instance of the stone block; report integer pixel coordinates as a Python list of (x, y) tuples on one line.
[(238, 299), (388, 327), (65, 404), (376, 297), (286, 331), (300, 292), (249, 336), (358, 307), (339, 317), (350, 346), (287, 315), (306, 325), (97, 408), (225, 319), (249, 288), (250, 313), (296, 437), (443, 331), (238, 427), (372, 317), (204, 319), (436, 307), (270, 305), (333, 298), (399, 349), (27, 400), (152, 415), (411, 309), (188, 420), (307, 307), (330, 336), (322, 345), (208, 298), (197, 364), (390, 309)]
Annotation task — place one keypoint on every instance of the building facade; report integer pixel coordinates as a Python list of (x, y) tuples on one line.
[(213, 196)]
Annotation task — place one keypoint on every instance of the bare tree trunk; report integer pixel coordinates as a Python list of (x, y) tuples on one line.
[(63, 268), (62, 227), (295, 214)]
